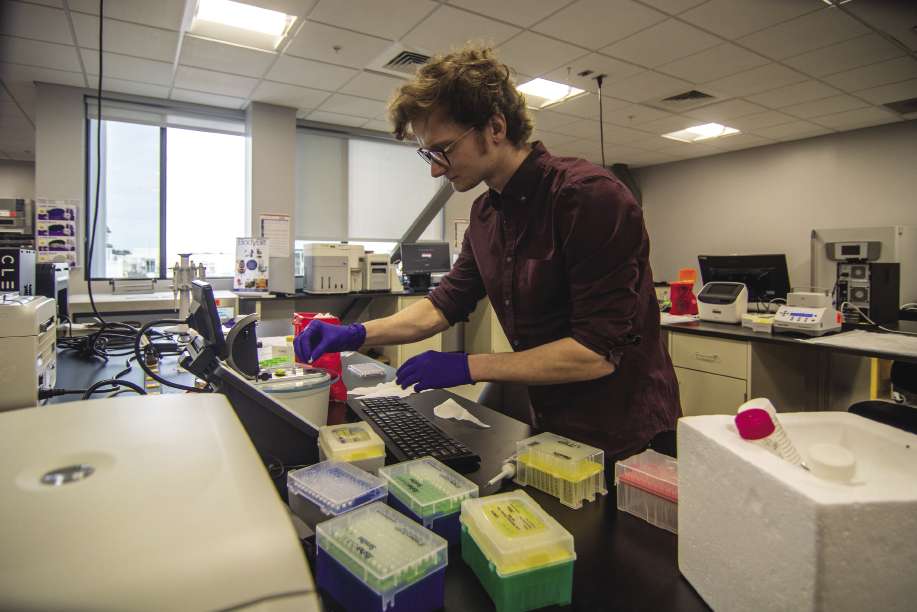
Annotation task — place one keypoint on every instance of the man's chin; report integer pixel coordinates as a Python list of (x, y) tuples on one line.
[(461, 185)]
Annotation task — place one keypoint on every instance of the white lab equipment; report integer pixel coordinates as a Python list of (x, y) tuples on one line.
[(722, 302), (183, 272), (376, 272), (28, 357), (807, 312), (152, 502), (757, 425), (355, 254), (326, 268)]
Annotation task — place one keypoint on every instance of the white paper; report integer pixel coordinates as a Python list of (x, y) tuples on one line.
[(276, 228), (386, 389), (870, 341), (451, 409), (670, 319)]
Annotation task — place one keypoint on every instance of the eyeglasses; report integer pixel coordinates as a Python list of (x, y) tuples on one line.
[(437, 155)]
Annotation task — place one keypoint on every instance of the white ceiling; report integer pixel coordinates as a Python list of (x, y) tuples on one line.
[(779, 69)]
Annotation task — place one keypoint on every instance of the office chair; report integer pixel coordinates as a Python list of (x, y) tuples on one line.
[(902, 415)]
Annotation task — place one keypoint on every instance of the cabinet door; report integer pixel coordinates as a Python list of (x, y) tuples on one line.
[(705, 393), (707, 354)]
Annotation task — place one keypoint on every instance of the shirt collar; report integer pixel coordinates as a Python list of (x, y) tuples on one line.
[(523, 182)]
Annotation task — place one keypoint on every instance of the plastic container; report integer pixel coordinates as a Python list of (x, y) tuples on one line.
[(522, 556), (759, 425), (304, 391), (375, 558), (647, 487), (354, 443), (561, 467), (330, 488), (430, 493), (328, 361)]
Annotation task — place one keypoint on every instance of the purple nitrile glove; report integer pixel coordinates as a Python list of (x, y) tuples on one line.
[(434, 370), (319, 338)]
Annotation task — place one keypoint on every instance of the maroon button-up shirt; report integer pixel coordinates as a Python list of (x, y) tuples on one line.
[(563, 252)]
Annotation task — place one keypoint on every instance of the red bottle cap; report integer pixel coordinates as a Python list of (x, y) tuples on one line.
[(754, 424)]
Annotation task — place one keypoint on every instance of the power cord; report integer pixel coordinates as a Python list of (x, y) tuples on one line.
[(115, 382), (140, 357), (866, 318)]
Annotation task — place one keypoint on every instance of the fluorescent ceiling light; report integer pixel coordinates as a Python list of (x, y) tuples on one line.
[(833, 3), (240, 23), (540, 93), (701, 132)]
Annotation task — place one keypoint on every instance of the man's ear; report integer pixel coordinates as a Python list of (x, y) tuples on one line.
[(498, 128)]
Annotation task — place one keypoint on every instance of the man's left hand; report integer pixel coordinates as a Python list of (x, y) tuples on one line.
[(434, 370)]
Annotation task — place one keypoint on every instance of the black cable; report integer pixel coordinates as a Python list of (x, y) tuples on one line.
[(138, 353), (113, 382), (95, 214), (599, 79)]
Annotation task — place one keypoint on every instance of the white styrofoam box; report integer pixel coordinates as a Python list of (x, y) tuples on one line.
[(757, 533)]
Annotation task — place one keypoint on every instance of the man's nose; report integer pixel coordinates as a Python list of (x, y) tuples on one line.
[(436, 170)]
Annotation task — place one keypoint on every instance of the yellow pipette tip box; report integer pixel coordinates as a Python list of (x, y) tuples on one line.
[(570, 471)]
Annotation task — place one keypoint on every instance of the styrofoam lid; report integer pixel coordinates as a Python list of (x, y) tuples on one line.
[(515, 533), (351, 441), (302, 381), (428, 487), (336, 487)]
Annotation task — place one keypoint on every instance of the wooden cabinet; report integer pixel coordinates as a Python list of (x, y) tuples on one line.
[(398, 354), (483, 332)]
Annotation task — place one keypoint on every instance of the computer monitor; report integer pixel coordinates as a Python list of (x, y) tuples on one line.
[(766, 276), (205, 318), (425, 257)]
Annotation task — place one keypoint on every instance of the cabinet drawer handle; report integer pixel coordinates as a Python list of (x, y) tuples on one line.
[(706, 356)]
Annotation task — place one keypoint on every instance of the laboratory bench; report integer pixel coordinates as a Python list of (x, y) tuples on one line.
[(623, 563)]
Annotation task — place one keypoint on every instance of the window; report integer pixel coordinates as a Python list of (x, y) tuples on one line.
[(360, 190), (170, 184)]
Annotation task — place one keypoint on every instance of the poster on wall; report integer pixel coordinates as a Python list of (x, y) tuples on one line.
[(55, 231), (251, 268)]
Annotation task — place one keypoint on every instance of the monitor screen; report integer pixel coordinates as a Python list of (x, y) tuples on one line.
[(205, 318), (766, 276), (425, 257)]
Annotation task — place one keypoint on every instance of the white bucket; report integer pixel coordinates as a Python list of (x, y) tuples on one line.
[(305, 393)]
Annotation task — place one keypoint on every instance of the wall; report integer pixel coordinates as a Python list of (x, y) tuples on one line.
[(769, 199), (459, 207), (17, 179)]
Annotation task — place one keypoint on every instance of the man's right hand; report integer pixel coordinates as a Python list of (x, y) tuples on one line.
[(319, 338)]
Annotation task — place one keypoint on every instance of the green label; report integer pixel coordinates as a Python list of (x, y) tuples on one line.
[(513, 519)]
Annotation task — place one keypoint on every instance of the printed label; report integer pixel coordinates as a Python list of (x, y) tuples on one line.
[(513, 519), (349, 435)]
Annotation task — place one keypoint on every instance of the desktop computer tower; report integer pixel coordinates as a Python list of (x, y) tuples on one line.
[(17, 270), (873, 287)]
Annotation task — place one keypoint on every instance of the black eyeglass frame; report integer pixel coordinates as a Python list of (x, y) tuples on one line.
[(430, 154)]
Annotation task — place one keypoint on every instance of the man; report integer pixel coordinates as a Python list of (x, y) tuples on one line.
[(559, 247)]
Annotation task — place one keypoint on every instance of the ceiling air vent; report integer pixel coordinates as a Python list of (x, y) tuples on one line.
[(683, 101), (905, 107), (399, 61)]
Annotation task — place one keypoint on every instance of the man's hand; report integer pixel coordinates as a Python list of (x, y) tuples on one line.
[(434, 370), (319, 338)]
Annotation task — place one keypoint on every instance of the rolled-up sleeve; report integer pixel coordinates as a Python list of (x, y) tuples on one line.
[(460, 290), (603, 235)]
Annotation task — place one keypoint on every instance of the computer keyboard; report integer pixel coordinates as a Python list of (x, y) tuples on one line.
[(409, 435)]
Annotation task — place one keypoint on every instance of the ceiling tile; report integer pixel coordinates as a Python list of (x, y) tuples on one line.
[(534, 54), (750, 123), (890, 93), (791, 131), (598, 23), (378, 125), (18, 73), (825, 106), (126, 38), (38, 53), (634, 115), (288, 95), (645, 48), (550, 121), (849, 54), (735, 18), (883, 73), (613, 69), (824, 27), (318, 41), (390, 19), (721, 112), (586, 106), (736, 142), (198, 97), (214, 82), (352, 105), (38, 22), (126, 67), (224, 57), (336, 118), (130, 87), (714, 63), (372, 85), (646, 87), (450, 28), (673, 7), (309, 73), (669, 124), (652, 142), (550, 139), (894, 17), (756, 80), (858, 118), (586, 129), (520, 12), (794, 94), (621, 135), (161, 13)]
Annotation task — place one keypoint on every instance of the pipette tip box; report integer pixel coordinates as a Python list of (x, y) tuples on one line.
[(325, 490), (354, 443), (429, 492), (522, 556), (375, 559), (568, 470), (647, 487)]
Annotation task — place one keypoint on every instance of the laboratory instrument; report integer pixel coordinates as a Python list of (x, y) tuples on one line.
[(326, 268), (421, 259), (807, 312), (183, 273), (376, 272), (28, 354), (723, 302)]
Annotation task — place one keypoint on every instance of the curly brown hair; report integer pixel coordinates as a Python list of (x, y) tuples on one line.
[(471, 86)]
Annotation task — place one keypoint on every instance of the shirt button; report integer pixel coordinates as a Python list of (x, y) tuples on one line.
[(515, 343), (509, 259), (522, 199), (506, 302)]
